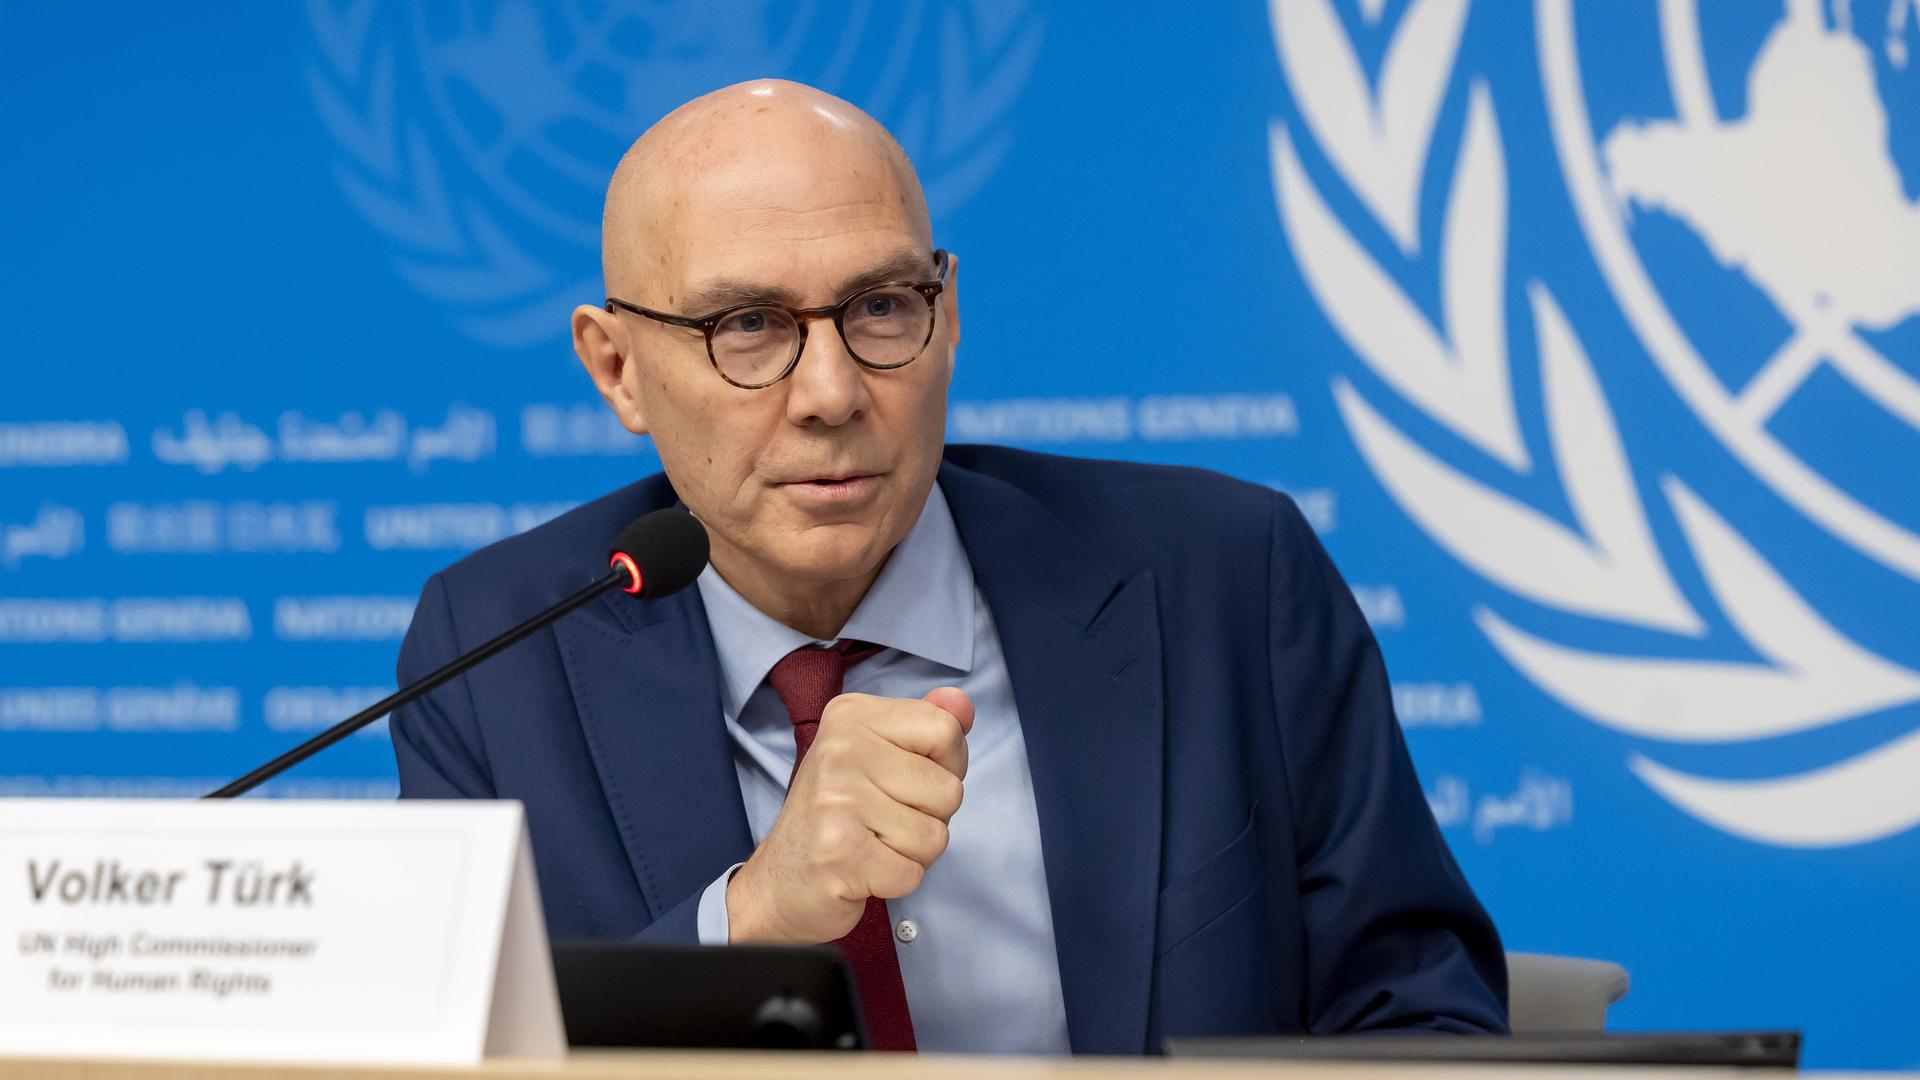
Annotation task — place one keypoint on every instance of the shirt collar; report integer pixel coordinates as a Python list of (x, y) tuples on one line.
[(922, 603)]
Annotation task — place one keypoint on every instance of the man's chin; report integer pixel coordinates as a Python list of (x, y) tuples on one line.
[(833, 552)]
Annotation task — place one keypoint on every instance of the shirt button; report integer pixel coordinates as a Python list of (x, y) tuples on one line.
[(907, 930)]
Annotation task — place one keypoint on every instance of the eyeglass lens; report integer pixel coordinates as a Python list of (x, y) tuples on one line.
[(883, 327)]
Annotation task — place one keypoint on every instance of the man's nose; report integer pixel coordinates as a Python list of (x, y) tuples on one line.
[(828, 386)]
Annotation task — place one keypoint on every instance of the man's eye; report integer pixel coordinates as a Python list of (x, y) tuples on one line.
[(880, 307), (746, 322)]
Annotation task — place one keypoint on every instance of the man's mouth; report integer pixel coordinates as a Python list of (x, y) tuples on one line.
[(835, 489), (833, 478)]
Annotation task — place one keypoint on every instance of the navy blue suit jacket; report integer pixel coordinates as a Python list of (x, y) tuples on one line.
[(1235, 841)]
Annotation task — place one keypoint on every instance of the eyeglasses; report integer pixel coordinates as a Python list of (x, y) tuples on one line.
[(756, 345)]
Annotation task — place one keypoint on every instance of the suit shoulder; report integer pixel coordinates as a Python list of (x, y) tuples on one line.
[(1156, 498), (558, 555)]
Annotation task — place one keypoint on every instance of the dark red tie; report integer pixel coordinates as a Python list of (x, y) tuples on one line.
[(806, 679)]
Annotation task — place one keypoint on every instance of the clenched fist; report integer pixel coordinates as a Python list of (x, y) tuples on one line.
[(866, 815)]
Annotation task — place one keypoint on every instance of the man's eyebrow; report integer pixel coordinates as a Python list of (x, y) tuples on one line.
[(904, 266), (730, 292)]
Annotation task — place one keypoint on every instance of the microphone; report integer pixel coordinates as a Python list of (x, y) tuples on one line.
[(657, 555)]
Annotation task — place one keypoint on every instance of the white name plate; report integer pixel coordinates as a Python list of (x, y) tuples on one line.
[(272, 931)]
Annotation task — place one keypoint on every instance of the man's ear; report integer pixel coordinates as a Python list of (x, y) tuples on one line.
[(950, 299), (597, 341)]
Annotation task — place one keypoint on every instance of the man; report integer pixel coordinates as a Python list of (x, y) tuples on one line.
[(1089, 754)]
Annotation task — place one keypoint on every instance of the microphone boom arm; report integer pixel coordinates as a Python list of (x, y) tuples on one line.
[(620, 578)]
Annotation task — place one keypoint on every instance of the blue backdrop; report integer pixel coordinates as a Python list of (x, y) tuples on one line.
[(1585, 334)]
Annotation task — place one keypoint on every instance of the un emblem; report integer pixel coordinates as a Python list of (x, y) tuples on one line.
[(478, 136), (1794, 200)]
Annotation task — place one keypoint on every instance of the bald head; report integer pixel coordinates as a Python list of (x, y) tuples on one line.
[(764, 158), (763, 196)]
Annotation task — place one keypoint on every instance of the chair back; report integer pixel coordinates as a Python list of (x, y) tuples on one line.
[(1561, 993)]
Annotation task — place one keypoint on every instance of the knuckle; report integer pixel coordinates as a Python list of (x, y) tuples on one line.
[(836, 711), (903, 877), (830, 754), (911, 875), (833, 839), (834, 802), (937, 791), (845, 708)]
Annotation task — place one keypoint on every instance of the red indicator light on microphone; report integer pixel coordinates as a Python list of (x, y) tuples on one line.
[(620, 559)]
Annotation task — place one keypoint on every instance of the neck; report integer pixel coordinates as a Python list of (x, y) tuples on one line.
[(818, 609)]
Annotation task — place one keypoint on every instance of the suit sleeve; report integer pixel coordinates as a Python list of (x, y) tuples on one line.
[(680, 925), (700, 919), (1395, 939), (436, 740)]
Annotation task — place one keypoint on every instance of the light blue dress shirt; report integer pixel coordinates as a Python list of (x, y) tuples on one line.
[(975, 941)]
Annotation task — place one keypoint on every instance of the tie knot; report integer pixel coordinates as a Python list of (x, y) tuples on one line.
[(810, 676)]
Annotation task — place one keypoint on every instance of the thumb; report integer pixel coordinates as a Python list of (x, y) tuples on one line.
[(954, 701)]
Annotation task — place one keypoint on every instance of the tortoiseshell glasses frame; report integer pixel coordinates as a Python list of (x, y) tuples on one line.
[(796, 320)]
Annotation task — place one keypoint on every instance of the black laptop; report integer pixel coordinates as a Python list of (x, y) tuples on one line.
[(732, 997)]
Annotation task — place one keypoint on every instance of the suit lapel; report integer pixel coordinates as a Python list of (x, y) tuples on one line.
[(1082, 644), (646, 684)]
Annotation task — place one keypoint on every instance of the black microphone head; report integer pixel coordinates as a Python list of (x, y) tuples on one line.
[(668, 547)]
